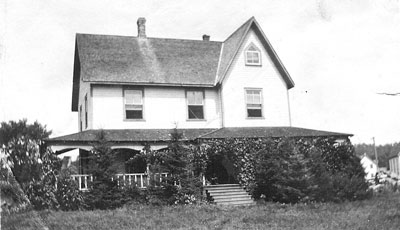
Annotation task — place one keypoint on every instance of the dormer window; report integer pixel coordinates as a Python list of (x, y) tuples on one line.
[(253, 55)]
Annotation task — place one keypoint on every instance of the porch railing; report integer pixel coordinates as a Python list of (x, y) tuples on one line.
[(83, 180), (141, 180)]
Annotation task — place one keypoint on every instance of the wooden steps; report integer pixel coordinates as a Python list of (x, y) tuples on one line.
[(228, 194)]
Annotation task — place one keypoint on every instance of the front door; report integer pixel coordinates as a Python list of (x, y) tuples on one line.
[(220, 170)]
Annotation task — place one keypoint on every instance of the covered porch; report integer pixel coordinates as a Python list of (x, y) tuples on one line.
[(129, 143)]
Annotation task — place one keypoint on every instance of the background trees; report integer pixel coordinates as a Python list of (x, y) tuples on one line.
[(384, 152)]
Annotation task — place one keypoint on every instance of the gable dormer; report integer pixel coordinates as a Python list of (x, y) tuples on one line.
[(254, 83), (233, 44)]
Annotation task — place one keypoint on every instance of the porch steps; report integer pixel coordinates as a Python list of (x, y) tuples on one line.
[(229, 194)]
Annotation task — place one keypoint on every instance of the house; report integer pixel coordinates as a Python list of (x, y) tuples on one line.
[(394, 166), (137, 88), (370, 167)]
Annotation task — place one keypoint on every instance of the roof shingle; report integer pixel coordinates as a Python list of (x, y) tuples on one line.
[(120, 59), (163, 135)]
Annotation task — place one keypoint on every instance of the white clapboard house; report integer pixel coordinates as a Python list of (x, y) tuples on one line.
[(137, 88)]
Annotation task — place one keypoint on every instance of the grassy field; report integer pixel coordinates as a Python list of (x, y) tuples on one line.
[(380, 212)]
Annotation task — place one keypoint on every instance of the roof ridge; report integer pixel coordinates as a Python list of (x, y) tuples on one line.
[(252, 18), (149, 38)]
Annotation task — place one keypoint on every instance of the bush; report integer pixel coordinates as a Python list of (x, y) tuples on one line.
[(68, 195), (13, 197), (280, 174), (294, 170), (42, 195), (133, 195)]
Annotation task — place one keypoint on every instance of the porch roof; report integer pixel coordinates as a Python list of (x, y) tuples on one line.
[(128, 135), (275, 132), (163, 135)]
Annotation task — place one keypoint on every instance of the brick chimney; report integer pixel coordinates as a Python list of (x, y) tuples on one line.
[(206, 37), (141, 23)]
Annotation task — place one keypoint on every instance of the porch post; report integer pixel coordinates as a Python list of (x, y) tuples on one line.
[(148, 174)]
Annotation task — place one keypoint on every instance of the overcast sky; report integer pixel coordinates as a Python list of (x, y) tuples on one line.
[(339, 53)]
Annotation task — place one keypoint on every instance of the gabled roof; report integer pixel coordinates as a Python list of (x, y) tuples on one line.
[(163, 135), (107, 59), (233, 43), (120, 59)]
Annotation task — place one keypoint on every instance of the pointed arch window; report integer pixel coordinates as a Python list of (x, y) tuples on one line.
[(253, 55)]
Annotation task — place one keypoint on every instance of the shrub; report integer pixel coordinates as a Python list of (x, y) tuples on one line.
[(13, 197), (42, 195), (68, 195), (280, 174), (294, 169), (133, 195), (104, 192)]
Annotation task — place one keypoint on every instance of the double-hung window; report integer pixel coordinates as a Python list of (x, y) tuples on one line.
[(254, 103), (133, 99), (195, 103), (253, 55)]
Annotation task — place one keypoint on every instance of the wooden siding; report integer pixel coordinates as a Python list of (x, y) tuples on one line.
[(163, 108), (370, 172), (265, 77), (394, 166), (84, 89)]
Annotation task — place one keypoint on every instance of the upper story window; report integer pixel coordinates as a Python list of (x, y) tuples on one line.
[(195, 103), (252, 55), (133, 102), (254, 103)]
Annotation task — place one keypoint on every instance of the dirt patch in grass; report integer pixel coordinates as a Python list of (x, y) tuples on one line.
[(380, 212)]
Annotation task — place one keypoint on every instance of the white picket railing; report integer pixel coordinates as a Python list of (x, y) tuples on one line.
[(82, 180), (141, 180)]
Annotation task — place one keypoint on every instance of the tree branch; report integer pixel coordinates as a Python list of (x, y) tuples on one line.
[(390, 94)]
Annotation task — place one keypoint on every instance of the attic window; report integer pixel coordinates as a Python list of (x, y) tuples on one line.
[(133, 99), (253, 55)]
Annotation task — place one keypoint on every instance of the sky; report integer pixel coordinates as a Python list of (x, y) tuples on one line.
[(340, 54)]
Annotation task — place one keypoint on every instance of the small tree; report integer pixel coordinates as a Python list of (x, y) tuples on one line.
[(23, 146), (280, 172), (104, 192), (68, 195), (41, 192), (183, 185)]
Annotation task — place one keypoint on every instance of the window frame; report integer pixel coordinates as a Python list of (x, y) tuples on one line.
[(261, 103), (187, 104), (256, 51), (124, 103)]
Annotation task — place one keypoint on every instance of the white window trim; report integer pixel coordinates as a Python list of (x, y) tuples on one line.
[(261, 101), (257, 51), (124, 103), (202, 104)]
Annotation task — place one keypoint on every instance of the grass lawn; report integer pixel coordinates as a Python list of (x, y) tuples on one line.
[(380, 212)]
